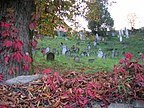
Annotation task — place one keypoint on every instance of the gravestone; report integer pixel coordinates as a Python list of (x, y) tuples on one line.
[(100, 53), (91, 60), (54, 50), (92, 53), (120, 38), (77, 50), (76, 59), (84, 53), (68, 53), (88, 47), (63, 48), (126, 33), (113, 34), (47, 50), (94, 44), (81, 35), (50, 56), (119, 33), (96, 37), (113, 53)]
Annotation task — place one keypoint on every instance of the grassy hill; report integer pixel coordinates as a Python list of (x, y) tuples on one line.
[(134, 44)]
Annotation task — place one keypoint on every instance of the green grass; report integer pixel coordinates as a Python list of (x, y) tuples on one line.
[(64, 64)]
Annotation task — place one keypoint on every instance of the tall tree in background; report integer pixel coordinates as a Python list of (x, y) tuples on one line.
[(98, 16), (131, 17)]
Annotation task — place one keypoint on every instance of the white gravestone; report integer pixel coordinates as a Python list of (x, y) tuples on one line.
[(47, 50), (64, 49), (120, 38), (97, 37), (122, 32), (119, 33), (100, 53), (126, 33), (94, 43), (82, 37)]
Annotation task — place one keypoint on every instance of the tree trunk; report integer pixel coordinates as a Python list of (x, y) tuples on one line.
[(22, 16)]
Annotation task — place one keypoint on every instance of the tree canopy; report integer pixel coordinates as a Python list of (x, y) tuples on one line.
[(98, 16)]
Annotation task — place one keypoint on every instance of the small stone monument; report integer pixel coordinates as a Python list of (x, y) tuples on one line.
[(120, 38), (113, 34), (64, 49), (100, 53), (126, 33), (76, 59), (88, 47), (94, 44), (47, 50), (96, 37), (113, 53)]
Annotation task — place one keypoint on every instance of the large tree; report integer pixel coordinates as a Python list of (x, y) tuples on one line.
[(14, 43), (98, 16)]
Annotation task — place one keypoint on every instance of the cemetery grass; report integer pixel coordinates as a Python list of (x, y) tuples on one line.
[(64, 64)]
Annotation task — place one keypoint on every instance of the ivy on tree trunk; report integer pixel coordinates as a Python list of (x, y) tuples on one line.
[(22, 17)]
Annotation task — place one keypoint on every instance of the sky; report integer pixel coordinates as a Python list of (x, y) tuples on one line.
[(119, 12)]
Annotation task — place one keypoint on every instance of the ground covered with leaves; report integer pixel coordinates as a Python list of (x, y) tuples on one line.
[(76, 90)]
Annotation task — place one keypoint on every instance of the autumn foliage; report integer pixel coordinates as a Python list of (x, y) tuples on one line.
[(75, 90), (12, 47)]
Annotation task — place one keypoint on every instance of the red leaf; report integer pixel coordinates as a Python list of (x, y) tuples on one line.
[(115, 68), (17, 44), (33, 43), (3, 106), (6, 58), (35, 16), (7, 43), (140, 77), (32, 26), (82, 100), (5, 25), (1, 77), (17, 56), (4, 34), (27, 59), (122, 61), (26, 67), (128, 56), (46, 71), (11, 71)]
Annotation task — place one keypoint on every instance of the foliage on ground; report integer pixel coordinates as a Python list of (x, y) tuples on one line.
[(75, 90)]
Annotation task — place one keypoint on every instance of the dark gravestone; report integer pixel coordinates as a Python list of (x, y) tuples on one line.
[(50, 56), (55, 51), (91, 60), (84, 53), (92, 53)]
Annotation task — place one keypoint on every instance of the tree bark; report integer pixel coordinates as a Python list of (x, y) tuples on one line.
[(22, 16)]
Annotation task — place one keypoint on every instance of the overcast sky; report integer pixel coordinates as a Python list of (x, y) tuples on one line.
[(120, 10)]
